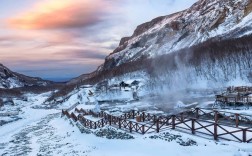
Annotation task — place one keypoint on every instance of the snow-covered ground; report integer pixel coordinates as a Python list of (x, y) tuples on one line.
[(45, 132)]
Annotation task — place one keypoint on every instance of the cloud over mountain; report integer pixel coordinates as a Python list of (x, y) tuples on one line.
[(60, 14)]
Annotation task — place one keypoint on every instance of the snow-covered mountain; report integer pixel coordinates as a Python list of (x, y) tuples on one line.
[(10, 79), (204, 20), (208, 44)]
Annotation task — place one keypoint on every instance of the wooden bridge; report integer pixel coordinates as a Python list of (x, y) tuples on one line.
[(207, 123)]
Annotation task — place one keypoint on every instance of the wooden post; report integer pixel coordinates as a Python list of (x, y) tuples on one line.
[(143, 131), (133, 113), (125, 116), (215, 131), (244, 136), (216, 116), (154, 116), (95, 125), (193, 126), (157, 125), (90, 124), (237, 120), (215, 125), (173, 121), (130, 126)]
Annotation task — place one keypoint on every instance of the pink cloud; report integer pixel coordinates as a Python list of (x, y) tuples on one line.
[(60, 14)]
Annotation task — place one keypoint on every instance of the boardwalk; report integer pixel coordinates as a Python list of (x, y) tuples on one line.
[(235, 96)]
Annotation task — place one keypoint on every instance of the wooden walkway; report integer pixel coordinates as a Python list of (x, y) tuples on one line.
[(241, 95), (207, 123)]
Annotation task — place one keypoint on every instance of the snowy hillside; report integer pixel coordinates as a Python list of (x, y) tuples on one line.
[(206, 45), (204, 20), (9, 79)]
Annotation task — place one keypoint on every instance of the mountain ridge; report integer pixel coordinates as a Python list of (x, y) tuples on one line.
[(165, 34), (208, 43), (10, 79)]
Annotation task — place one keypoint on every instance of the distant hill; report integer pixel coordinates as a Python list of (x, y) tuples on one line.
[(10, 79)]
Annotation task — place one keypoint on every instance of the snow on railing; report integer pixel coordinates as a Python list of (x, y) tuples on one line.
[(218, 124)]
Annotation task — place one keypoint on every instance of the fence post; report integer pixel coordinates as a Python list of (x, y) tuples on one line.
[(143, 116), (215, 131), (157, 125), (90, 124), (236, 120), (244, 136), (95, 125), (215, 125), (133, 113), (193, 126), (154, 118), (119, 123), (143, 129), (216, 117), (130, 126), (173, 121)]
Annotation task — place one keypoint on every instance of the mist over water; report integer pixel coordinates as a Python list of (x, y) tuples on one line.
[(184, 85)]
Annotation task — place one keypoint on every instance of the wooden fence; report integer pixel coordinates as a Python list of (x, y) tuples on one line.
[(201, 122)]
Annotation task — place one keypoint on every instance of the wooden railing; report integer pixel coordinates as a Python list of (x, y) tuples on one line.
[(213, 123)]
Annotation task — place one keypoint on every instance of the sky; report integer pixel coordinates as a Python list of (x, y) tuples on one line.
[(62, 39)]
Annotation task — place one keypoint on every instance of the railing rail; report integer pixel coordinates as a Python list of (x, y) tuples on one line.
[(218, 124)]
